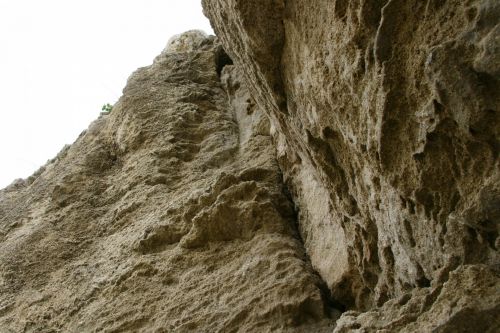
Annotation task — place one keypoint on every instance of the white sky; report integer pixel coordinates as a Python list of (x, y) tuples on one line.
[(61, 60)]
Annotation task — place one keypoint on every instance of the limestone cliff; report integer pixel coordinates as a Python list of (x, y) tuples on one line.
[(168, 215), (385, 115), (320, 166)]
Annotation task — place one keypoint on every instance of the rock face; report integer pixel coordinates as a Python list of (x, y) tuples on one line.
[(385, 116), (346, 162), (168, 215)]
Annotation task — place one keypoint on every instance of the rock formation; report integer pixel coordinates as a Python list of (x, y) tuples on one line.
[(321, 166), (168, 215), (385, 115)]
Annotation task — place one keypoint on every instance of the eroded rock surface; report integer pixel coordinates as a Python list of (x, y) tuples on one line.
[(385, 115), (347, 160), (168, 215)]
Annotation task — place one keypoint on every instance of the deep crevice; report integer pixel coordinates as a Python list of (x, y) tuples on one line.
[(330, 304), (222, 59)]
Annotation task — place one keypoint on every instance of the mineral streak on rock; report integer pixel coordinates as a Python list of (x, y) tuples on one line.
[(385, 117), (167, 215)]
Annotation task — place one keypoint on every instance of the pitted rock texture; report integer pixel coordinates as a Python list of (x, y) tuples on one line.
[(385, 115), (168, 215)]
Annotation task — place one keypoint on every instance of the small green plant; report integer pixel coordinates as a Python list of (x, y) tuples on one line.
[(107, 108)]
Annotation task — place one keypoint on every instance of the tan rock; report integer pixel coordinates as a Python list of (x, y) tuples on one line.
[(168, 215), (385, 118), (347, 160)]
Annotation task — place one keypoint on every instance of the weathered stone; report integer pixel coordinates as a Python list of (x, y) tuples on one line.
[(387, 127), (167, 215), (347, 160)]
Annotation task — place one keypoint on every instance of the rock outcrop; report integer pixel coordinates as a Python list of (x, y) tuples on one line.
[(168, 215), (321, 166), (385, 115)]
